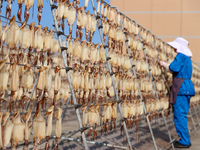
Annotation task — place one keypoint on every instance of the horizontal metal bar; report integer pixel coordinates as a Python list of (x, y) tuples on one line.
[(160, 12), (93, 142), (39, 66), (175, 36)]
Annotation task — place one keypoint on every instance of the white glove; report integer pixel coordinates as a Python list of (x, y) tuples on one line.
[(164, 64)]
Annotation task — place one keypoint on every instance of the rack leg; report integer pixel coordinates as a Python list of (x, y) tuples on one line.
[(63, 115), (192, 119), (170, 138), (152, 135), (196, 114)]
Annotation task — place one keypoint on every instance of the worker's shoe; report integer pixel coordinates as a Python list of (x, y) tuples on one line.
[(179, 145)]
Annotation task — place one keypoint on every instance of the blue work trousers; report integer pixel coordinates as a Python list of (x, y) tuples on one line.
[(181, 108)]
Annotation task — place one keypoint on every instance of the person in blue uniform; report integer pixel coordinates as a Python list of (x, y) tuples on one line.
[(182, 89)]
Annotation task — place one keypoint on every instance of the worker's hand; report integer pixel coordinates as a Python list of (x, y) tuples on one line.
[(162, 63)]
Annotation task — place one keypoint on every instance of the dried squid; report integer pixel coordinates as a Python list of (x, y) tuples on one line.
[(39, 6), (7, 129), (18, 129), (49, 115), (58, 130), (28, 128), (38, 129)]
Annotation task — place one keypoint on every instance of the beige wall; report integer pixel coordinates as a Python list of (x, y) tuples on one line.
[(167, 19)]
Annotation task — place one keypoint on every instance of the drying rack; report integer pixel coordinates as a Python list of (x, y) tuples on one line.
[(76, 106)]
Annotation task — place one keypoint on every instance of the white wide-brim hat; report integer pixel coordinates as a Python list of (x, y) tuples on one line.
[(182, 46)]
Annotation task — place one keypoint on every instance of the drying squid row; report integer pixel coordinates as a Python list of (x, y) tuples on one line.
[(21, 82), (19, 129), (126, 88), (85, 52), (147, 37), (132, 110), (28, 4), (84, 20), (92, 117), (25, 37), (19, 42)]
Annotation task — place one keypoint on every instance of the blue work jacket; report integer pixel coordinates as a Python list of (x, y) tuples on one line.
[(182, 68)]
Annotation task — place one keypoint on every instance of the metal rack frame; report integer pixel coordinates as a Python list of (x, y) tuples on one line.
[(63, 49), (143, 100), (111, 73), (154, 86), (135, 75)]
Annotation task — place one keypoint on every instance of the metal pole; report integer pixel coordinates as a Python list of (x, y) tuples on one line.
[(113, 82), (192, 119), (63, 114), (96, 143), (196, 114), (198, 107), (68, 75)]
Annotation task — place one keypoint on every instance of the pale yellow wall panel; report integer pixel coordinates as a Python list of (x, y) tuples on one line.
[(137, 5), (191, 5), (132, 5), (166, 24), (191, 24), (166, 5), (142, 19), (194, 46), (118, 3)]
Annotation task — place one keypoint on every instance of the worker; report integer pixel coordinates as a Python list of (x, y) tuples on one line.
[(182, 89)]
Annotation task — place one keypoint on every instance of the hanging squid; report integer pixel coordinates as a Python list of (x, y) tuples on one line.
[(93, 119), (93, 27), (86, 4), (71, 16), (12, 39), (79, 21), (39, 6), (24, 41), (18, 130), (28, 4), (38, 129), (83, 22), (49, 115), (58, 130), (114, 115), (57, 84), (40, 85), (8, 8), (98, 7), (60, 12), (4, 75), (19, 13), (30, 58), (28, 128), (27, 82), (7, 129), (14, 85)]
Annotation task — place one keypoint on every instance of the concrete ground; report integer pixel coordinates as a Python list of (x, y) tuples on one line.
[(195, 140)]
